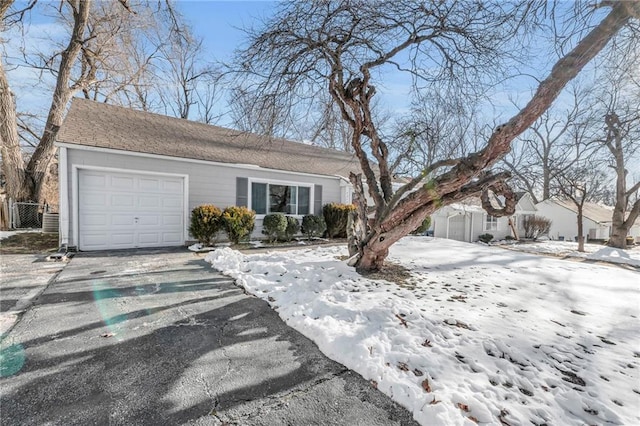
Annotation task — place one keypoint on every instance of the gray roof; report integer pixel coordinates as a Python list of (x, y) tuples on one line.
[(593, 211), (100, 125)]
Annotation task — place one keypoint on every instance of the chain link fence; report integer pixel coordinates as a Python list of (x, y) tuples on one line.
[(28, 215)]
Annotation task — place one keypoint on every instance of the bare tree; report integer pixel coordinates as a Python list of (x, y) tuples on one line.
[(621, 142), (114, 52), (184, 71), (327, 128), (544, 148), (438, 127), (209, 95), (260, 113), (341, 45), (583, 182), (24, 180)]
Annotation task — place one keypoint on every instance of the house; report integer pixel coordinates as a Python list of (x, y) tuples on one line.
[(466, 220), (596, 223), (131, 178)]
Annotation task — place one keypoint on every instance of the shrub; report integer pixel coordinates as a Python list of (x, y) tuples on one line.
[(292, 228), (238, 222), (630, 240), (313, 226), (485, 238), (336, 217), (274, 225), (424, 226), (206, 222), (509, 238), (535, 226)]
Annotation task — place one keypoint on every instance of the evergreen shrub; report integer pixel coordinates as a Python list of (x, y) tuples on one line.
[(206, 222), (238, 222), (485, 238), (336, 216), (274, 225), (292, 228), (313, 226)]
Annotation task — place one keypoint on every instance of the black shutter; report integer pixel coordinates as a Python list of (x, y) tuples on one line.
[(317, 200), (242, 192)]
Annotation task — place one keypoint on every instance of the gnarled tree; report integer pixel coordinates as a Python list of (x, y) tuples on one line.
[(344, 45), (625, 211)]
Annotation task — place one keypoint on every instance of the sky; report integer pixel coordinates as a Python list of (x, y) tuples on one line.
[(219, 24)]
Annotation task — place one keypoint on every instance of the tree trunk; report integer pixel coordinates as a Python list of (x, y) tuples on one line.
[(38, 166), (618, 237), (514, 231), (546, 181), (17, 184), (580, 231), (376, 249), (24, 183), (620, 227), (619, 231)]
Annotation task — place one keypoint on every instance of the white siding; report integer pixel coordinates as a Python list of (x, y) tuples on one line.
[(208, 183), (564, 222)]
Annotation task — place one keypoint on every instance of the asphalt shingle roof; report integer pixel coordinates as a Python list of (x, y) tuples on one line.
[(593, 211), (97, 124)]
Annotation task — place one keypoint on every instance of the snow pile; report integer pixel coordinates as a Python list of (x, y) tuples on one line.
[(630, 256), (479, 334)]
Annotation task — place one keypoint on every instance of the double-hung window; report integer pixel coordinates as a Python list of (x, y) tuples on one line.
[(269, 198), (491, 223)]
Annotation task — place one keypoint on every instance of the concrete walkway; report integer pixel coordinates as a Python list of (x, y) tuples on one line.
[(22, 278), (157, 337)]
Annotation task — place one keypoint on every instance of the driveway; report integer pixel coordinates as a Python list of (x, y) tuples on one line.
[(157, 337), (22, 278)]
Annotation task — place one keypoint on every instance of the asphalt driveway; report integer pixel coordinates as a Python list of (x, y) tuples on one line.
[(157, 337)]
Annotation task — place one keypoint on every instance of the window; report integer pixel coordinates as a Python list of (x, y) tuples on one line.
[(491, 223), (277, 198)]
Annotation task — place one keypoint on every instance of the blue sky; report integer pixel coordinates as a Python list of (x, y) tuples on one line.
[(219, 22)]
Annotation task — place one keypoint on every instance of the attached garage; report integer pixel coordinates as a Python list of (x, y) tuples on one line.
[(457, 228), (118, 210)]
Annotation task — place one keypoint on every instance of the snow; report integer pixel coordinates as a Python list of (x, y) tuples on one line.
[(7, 234), (478, 334), (597, 252)]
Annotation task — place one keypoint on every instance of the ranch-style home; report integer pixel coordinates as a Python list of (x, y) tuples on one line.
[(130, 179), (596, 221), (466, 220)]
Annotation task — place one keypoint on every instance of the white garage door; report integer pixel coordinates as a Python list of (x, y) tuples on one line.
[(129, 210), (457, 228)]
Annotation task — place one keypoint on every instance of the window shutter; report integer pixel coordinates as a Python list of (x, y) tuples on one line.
[(242, 192), (317, 200)]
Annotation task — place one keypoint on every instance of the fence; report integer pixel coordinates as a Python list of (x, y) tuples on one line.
[(27, 215)]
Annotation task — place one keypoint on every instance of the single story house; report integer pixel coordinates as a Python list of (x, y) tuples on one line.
[(466, 220), (596, 221), (131, 178)]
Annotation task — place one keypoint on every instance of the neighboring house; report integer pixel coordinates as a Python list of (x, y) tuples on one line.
[(564, 219), (596, 220), (466, 220), (131, 178)]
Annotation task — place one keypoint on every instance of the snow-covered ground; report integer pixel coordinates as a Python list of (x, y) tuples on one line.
[(630, 256), (7, 234), (478, 335)]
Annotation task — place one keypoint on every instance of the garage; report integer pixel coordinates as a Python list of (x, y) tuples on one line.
[(457, 228), (118, 210)]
